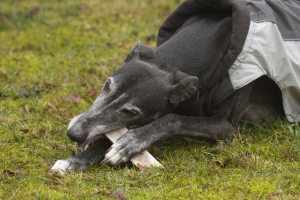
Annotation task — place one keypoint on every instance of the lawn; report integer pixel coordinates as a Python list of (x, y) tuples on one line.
[(55, 58)]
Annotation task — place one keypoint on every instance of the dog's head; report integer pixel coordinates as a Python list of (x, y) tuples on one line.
[(136, 94)]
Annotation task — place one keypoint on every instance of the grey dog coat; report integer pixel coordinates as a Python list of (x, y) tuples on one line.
[(265, 41)]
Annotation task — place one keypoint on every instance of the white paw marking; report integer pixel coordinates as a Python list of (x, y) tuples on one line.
[(113, 155), (61, 167), (112, 152), (115, 159)]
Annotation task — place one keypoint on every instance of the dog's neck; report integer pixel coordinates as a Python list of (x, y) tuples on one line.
[(194, 49)]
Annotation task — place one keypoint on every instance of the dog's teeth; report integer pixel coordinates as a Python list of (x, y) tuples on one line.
[(86, 147)]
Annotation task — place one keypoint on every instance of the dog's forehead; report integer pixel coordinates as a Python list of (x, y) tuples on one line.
[(135, 92)]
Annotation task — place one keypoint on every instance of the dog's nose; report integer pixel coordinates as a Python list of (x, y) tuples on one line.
[(75, 137)]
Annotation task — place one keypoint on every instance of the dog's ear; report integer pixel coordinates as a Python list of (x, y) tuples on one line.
[(185, 88), (140, 51)]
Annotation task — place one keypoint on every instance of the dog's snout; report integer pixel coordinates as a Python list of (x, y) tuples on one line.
[(75, 137)]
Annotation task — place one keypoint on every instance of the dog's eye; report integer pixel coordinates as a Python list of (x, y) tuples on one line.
[(130, 112)]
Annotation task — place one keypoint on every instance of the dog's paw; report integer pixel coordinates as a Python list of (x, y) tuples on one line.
[(115, 156), (61, 167), (124, 149)]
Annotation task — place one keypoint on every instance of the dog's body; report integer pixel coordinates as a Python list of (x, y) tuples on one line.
[(158, 90)]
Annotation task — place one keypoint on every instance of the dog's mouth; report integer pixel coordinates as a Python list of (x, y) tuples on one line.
[(90, 142)]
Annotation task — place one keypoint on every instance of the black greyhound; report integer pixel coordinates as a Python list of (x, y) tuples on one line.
[(172, 90)]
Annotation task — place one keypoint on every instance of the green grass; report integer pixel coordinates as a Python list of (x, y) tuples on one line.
[(55, 57)]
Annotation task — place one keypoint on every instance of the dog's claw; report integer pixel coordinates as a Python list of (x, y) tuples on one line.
[(119, 162), (108, 150), (104, 161)]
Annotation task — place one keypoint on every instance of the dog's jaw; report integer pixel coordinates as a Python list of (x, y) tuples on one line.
[(96, 131)]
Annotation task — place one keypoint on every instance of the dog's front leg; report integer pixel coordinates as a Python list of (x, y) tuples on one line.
[(137, 140), (82, 161)]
